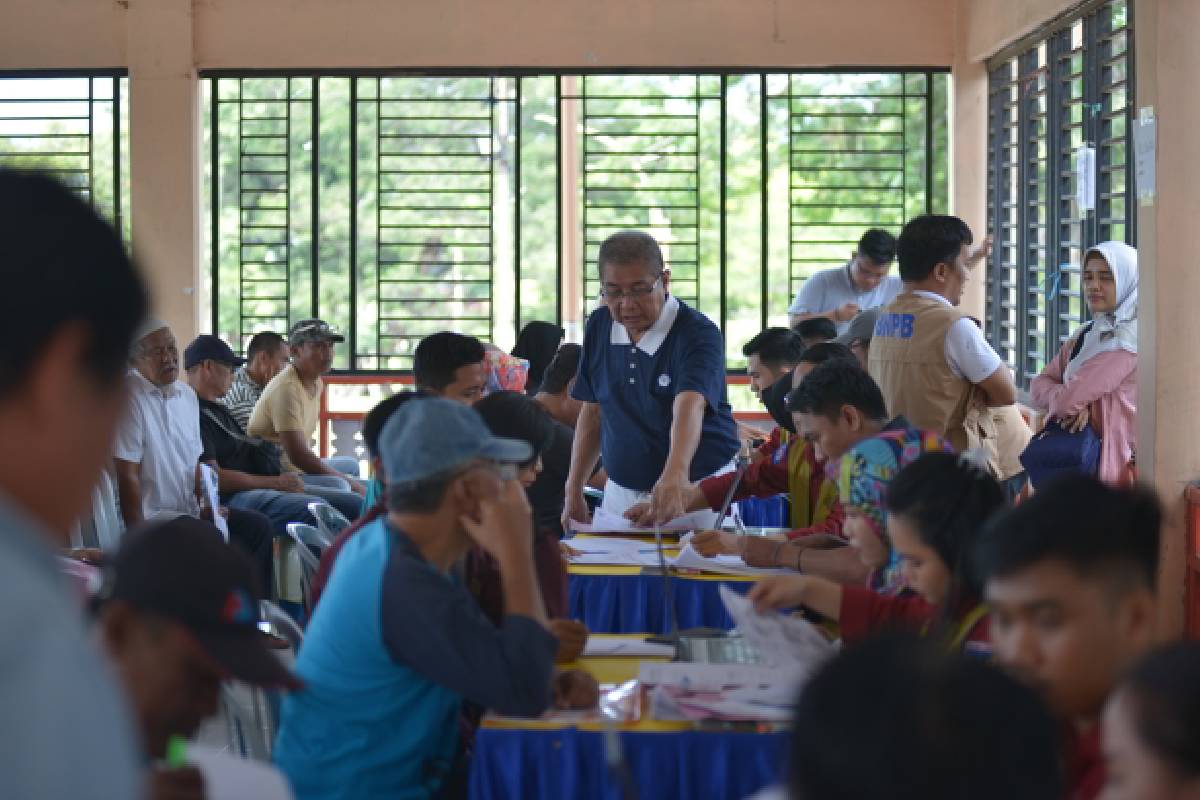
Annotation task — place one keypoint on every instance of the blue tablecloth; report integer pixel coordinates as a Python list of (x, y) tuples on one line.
[(520, 764), (637, 603), (764, 512)]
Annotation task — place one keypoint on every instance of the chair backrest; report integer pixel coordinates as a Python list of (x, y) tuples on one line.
[(312, 539), (282, 623), (307, 539), (102, 526), (248, 722), (329, 519), (109, 524)]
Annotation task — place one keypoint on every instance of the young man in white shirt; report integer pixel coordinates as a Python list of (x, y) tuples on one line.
[(863, 282)]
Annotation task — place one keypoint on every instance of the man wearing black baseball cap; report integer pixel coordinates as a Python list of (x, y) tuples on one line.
[(397, 642), (289, 409), (179, 615), (249, 470)]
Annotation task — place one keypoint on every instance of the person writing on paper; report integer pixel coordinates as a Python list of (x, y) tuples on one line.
[(862, 282), (178, 617), (652, 383), (1094, 382), (933, 539), (786, 463)]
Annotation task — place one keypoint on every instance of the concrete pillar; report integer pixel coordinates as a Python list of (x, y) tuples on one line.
[(968, 159), (1167, 71), (164, 167)]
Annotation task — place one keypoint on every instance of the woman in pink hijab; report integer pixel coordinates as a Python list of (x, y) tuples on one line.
[(1098, 386)]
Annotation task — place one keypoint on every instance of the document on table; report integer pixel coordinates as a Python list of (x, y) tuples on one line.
[(688, 558), (625, 646), (612, 550), (781, 639)]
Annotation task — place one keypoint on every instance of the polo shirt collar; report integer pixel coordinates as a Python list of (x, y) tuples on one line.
[(147, 387), (657, 334), (932, 296)]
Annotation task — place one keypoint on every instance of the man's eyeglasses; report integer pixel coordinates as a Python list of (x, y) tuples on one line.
[(634, 292)]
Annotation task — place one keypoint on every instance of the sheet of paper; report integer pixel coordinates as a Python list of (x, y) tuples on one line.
[(785, 641), (697, 676), (210, 489), (688, 558), (624, 646), (227, 777), (612, 550), (1145, 154)]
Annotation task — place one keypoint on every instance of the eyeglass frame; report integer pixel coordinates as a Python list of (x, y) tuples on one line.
[(632, 294)]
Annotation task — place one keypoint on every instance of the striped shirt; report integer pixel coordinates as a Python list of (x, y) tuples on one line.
[(242, 397)]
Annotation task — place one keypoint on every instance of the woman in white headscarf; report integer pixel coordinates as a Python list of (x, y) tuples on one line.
[(1098, 385)]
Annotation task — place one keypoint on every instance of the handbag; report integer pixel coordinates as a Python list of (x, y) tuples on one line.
[(1056, 451), (254, 456)]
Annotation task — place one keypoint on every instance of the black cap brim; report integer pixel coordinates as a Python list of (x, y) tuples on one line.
[(245, 656)]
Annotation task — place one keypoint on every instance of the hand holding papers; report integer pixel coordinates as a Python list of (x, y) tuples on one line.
[(606, 522), (724, 564)]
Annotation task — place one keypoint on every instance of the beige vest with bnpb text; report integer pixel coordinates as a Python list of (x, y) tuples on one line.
[(908, 361)]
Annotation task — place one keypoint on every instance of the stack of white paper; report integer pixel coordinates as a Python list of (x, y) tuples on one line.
[(688, 558), (611, 550), (790, 646)]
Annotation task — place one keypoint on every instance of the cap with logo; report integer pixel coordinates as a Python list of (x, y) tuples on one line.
[(184, 571), (431, 436), (210, 348), (313, 330), (861, 328)]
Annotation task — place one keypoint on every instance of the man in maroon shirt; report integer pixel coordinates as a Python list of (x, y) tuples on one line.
[(1070, 578)]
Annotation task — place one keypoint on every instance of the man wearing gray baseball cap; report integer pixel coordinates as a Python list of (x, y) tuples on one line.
[(397, 642)]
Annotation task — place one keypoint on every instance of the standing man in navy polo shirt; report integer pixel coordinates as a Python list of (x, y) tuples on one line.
[(652, 383)]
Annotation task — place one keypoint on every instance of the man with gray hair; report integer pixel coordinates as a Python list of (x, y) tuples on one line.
[(652, 383), (158, 449)]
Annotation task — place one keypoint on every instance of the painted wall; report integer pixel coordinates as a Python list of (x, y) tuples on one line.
[(164, 43), (1167, 69)]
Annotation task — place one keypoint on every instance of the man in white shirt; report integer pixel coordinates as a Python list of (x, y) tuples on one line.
[(158, 449), (930, 360), (863, 282)]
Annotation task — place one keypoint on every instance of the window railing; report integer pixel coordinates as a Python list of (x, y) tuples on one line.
[(394, 205)]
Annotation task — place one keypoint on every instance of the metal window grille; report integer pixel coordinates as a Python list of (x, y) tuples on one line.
[(396, 204), (860, 152), (73, 126), (644, 163), (1070, 90)]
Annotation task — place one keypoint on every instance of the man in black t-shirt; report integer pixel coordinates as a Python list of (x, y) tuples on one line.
[(248, 470)]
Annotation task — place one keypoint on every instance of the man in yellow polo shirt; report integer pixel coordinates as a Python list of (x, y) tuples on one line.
[(289, 410)]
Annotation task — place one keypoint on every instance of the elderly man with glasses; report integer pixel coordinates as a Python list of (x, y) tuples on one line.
[(652, 383)]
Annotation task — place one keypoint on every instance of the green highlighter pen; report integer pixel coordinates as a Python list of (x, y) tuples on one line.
[(177, 752)]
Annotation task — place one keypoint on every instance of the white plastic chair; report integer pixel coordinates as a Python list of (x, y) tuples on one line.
[(307, 539), (329, 519)]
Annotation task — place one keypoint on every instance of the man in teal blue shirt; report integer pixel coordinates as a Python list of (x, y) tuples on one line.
[(397, 643)]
